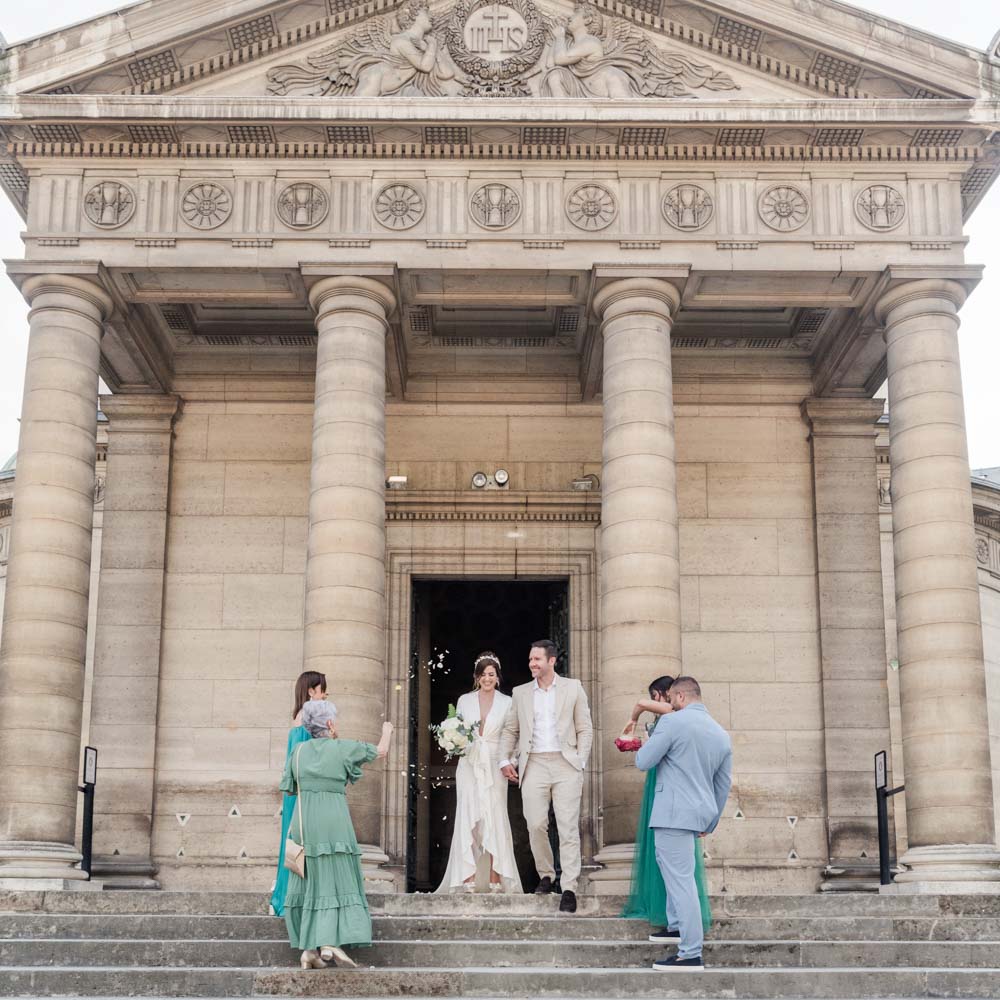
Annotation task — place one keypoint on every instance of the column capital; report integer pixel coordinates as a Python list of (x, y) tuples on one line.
[(912, 293), (352, 286), (68, 284), (842, 417), (140, 413), (659, 295)]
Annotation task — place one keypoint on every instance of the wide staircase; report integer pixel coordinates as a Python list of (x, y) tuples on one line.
[(166, 944)]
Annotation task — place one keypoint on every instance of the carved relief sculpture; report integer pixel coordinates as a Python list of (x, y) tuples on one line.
[(495, 206), (206, 206), (491, 47), (688, 206), (390, 56), (302, 206), (496, 45), (982, 550), (880, 207), (109, 204), (591, 207), (607, 57), (783, 208), (399, 206)]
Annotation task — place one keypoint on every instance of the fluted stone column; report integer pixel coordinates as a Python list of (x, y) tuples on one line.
[(639, 564), (43, 654), (345, 570), (946, 753), (128, 632)]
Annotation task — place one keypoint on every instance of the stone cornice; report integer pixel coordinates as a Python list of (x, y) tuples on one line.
[(956, 112), (492, 505)]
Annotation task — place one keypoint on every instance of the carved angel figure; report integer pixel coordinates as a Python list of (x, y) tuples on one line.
[(386, 57), (608, 58)]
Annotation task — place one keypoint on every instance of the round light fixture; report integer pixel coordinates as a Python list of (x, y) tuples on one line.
[(479, 480), (501, 477)]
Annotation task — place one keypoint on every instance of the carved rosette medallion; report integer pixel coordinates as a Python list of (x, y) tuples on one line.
[(206, 206), (784, 208), (880, 207), (982, 550), (688, 207), (496, 43), (302, 205), (109, 204), (495, 206), (399, 206), (591, 207)]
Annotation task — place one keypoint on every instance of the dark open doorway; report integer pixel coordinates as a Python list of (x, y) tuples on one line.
[(460, 619)]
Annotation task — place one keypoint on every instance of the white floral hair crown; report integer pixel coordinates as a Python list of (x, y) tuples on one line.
[(486, 657)]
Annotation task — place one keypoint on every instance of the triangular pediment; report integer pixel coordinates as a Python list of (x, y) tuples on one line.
[(181, 46)]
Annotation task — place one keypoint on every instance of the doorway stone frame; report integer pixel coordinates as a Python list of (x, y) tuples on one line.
[(418, 552)]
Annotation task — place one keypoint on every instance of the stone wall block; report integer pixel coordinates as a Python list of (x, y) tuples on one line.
[(198, 488), (263, 601), (192, 600), (232, 653), (133, 539), (225, 544), (749, 489)]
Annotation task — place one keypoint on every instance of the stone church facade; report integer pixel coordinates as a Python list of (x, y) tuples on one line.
[(424, 327)]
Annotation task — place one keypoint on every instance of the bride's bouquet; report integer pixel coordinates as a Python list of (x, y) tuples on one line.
[(454, 736)]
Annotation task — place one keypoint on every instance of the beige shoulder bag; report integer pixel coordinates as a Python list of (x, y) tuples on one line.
[(295, 854)]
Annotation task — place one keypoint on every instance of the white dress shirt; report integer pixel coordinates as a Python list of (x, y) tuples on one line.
[(545, 736)]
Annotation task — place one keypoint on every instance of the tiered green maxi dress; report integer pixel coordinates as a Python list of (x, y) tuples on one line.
[(648, 896), (296, 735), (328, 906)]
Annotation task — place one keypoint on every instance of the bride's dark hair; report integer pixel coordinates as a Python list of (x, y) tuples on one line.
[(487, 659)]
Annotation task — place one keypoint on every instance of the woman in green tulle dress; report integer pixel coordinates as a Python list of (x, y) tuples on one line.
[(648, 897)]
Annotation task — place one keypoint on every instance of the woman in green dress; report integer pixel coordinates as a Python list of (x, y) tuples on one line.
[(310, 686), (327, 909), (648, 898)]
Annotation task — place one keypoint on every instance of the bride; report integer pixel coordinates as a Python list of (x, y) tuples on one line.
[(482, 840)]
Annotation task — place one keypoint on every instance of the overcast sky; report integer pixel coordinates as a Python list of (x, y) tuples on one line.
[(973, 22)]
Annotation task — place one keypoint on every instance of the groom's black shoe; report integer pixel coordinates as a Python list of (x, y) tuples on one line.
[(544, 886), (663, 935), (568, 902), (675, 964)]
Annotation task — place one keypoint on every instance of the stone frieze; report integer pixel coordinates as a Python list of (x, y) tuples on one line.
[(497, 48)]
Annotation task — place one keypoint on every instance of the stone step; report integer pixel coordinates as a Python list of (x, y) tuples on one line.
[(81, 952), (553, 927), (417, 904), (712, 984)]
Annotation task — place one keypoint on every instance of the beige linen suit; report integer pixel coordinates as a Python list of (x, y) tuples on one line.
[(555, 777)]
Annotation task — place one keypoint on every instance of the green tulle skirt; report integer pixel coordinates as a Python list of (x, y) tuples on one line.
[(648, 897)]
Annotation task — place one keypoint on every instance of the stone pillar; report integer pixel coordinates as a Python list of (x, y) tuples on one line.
[(127, 642), (345, 570), (43, 655), (852, 630), (946, 753), (639, 563)]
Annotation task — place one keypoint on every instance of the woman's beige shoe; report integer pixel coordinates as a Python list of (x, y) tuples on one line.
[(338, 955), (496, 887), (311, 960)]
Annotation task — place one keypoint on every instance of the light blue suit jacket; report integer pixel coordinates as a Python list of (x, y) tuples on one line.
[(693, 757)]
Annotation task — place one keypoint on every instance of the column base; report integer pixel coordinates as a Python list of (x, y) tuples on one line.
[(615, 877), (39, 859), (125, 873), (949, 868), (49, 885), (374, 867)]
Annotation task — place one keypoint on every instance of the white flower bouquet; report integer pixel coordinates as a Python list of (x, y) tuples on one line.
[(454, 736)]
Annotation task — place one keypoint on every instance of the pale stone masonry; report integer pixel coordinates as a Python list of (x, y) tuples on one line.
[(614, 327)]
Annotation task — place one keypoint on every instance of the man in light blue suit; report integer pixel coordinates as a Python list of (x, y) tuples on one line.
[(693, 757)]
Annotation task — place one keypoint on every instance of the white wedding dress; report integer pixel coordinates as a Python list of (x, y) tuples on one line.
[(482, 826)]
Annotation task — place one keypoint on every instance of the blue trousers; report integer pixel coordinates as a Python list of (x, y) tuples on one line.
[(675, 856)]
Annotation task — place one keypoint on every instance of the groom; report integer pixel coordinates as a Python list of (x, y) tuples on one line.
[(549, 724), (693, 757)]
